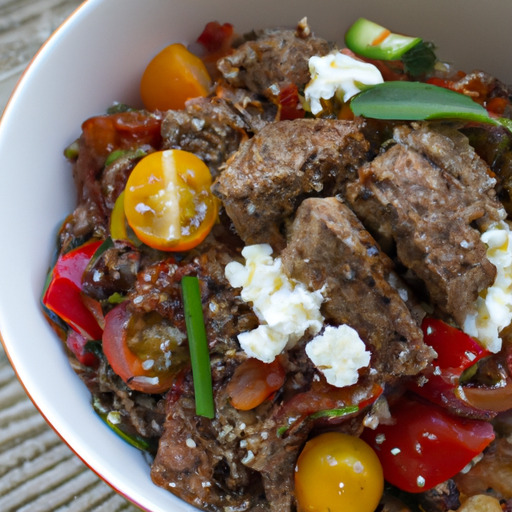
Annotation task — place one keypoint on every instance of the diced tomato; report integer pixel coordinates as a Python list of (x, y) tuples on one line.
[(441, 82), (426, 445), (124, 130), (497, 105), (64, 297), (289, 103), (217, 40), (322, 398), (216, 37), (253, 382)]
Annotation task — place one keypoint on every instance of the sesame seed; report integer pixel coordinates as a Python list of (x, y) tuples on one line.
[(358, 467), (248, 457), (380, 438), (420, 481), (395, 451), (190, 443)]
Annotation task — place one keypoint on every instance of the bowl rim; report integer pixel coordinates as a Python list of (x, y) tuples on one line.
[(58, 34)]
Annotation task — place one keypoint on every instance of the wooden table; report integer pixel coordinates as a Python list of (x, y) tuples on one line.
[(38, 472)]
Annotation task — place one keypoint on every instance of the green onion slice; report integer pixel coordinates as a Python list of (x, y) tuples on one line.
[(334, 413), (198, 345), (325, 413), (418, 101)]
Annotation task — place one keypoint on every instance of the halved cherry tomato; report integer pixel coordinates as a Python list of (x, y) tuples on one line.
[(497, 398), (64, 297), (168, 202), (146, 351), (253, 382), (426, 445), (172, 77)]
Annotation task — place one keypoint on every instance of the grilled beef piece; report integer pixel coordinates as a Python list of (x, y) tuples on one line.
[(268, 177), (449, 149), (407, 201), (441, 498), (200, 460), (329, 249), (275, 57), (212, 128), (493, 473)]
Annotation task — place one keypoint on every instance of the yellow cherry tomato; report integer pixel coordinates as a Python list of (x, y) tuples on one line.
[(338, 473), (173, 76), (168, 202)]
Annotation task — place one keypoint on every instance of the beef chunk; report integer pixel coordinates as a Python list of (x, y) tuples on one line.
[(274, 58), (449, 150), (208, 127), (268, 177), (236, 460), (330, 249), (200, 460), (441, 498), (427, 214), (491, 474)]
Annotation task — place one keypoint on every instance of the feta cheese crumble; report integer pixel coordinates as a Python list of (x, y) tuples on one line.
[(287, 310), (337, 75), (494, 305), (339, 353)]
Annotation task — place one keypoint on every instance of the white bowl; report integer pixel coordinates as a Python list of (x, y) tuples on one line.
[(96, 58)]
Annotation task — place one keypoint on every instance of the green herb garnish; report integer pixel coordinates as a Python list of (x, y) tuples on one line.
[(326, 413), (420, 59), (334, 413), (198, 346), (418, 101)]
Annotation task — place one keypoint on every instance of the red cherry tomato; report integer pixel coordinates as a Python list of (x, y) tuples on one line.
[(147, 352)]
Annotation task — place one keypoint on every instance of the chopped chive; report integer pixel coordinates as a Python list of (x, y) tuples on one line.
[(326, 413), (334, 413), (198, 346)]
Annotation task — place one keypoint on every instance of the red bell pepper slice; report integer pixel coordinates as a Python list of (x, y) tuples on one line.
[(426, 445), (63, 295), (456, 352)]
